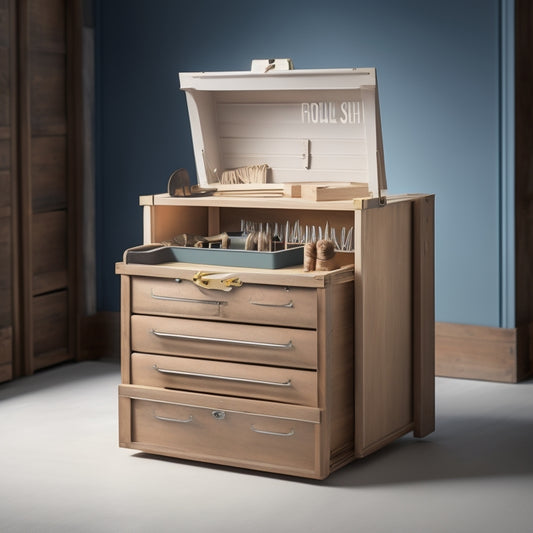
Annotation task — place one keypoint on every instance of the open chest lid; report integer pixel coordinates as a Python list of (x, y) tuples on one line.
[(306, 125)]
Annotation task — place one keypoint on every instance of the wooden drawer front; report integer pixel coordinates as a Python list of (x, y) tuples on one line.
[(256, 304), (206, 434), (224, 341), (250, 381)]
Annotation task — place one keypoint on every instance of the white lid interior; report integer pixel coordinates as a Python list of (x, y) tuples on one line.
[(307, 125)]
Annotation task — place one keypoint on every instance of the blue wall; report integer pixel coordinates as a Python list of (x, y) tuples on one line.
[(439, 80)]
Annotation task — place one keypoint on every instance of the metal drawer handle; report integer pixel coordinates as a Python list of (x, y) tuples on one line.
[(187, 300), (288, 304), (263, 432), (224, 378), (165, 419), (285, 346)]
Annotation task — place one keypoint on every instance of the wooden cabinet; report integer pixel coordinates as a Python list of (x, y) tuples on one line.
[(289, 371), (39, 180), (292, 372), (244, 389)]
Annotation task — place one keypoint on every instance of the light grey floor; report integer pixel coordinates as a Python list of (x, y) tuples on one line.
[(61, 470)]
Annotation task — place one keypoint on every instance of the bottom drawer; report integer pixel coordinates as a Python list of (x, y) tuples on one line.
[(224, 432)]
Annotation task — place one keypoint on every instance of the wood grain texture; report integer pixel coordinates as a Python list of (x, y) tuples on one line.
[(125, 328), (48, 94), (6, 273), (9, 252), (49, 251), (212, 401), (290, 276), (253, 303), (476, 352), (50, 331), (336, 338), (48, 221), (6, 372), (5, 192), (6, 345), (5, 151), (232, 440), (5, 17), (424, 315), (166, 223), (312, 418), (47, 27), (383, 324), (49, 173), (221, 377), (229, 439), (297, 347), (5, 81)]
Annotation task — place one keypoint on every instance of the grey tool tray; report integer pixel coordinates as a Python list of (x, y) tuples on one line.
[(157, 254)]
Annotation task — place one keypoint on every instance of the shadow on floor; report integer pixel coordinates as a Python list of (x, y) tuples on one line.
[(64, 373), (461, 448)]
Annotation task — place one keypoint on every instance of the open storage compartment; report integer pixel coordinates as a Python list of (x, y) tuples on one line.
[(306, 125)]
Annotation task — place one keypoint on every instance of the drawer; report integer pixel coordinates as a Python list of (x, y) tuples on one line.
[(252, 303), (249, 381), (224, 341), (226, 436)]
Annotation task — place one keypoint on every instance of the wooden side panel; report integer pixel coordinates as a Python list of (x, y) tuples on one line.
[(100, 336), (338, 363), (523, 194), (48, 44), (476, 352), (125, 328), (383, 325), (124, 421), (424, 315), (6, 271), (167, 222), (6, 353), (8, 191)]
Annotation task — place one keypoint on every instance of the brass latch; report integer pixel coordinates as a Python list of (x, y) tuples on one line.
[(217, 281)]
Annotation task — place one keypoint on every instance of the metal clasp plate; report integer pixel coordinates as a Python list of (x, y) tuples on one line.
[(217, 281)]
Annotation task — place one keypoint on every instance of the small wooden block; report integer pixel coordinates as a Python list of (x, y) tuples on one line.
[(329, 192)]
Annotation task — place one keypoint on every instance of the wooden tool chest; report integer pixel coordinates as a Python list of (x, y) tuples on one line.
[(286, 371)]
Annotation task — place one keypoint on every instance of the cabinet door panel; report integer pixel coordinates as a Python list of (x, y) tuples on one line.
[(49, 252), (48, 98), (50, 330), (49, 173)]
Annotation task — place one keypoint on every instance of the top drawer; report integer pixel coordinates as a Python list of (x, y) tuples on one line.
[(252, 303)]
